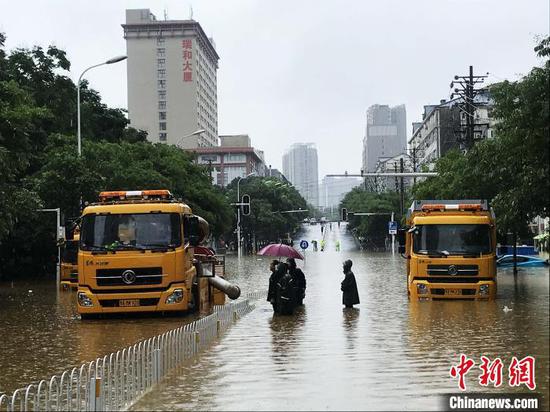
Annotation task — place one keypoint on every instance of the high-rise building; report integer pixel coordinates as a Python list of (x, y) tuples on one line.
[(443, 128), (301, 169), (334, 189), (172, 85), (385, 134)]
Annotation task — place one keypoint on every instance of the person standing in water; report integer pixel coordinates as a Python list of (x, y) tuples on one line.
[(350, 295), (299, 280), (273, 279)]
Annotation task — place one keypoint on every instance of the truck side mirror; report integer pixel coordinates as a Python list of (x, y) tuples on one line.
[(401, 238), (191, 230)]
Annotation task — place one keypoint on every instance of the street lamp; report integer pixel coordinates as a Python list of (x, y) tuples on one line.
[(110, 61), (195, 133), (239, 212)]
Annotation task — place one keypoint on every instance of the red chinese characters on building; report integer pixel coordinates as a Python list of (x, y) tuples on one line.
[(490, 372), (187, 54), (461, 370), (522, 372)]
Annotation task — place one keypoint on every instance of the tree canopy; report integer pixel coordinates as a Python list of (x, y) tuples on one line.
[(371, 230), (268, 197)]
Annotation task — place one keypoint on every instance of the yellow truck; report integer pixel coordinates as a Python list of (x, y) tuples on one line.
[(450, 247), (69, 266), (136, 254)]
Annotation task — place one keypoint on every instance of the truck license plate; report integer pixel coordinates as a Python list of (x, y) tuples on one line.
[(453, 292), (125, 303)]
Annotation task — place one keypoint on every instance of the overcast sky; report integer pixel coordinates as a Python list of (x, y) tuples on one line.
[(304, 71)]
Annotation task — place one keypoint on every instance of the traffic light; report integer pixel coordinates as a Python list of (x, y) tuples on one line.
[(344, 214), (245, 205)]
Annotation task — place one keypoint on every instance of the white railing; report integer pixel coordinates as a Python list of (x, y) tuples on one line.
[(116, 381)]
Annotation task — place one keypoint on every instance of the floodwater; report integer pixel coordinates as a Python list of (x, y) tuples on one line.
[(41, 333), (387, 353)]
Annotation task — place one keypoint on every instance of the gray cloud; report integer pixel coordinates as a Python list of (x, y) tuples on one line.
[(305, 71)]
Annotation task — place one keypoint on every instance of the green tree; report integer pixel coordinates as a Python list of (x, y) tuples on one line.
[(20, 137), (269, 197), (44, 75), (126, 166), (371, 230), (523, 134)]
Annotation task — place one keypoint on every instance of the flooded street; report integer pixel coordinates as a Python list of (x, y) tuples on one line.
[(42, 334), (386, 353)]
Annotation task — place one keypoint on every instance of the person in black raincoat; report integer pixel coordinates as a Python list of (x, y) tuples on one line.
[(285, 291), (273, 279), (299, 280), (350, 295)]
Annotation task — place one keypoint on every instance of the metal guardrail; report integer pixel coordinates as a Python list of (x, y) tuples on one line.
[(116, 381), (261, 294)]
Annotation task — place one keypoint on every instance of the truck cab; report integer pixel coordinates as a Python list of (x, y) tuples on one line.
[(69, 264), (450, 246), (136, 254)]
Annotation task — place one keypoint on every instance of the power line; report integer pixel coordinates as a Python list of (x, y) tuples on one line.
[(468, 105)]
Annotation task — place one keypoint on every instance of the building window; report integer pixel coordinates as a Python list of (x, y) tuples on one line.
[(162, 126), (163, 137), (234, 158), (162, 94), (162, 105), (162, 84), (162, 115), (161, 63), (232, 172), (160, 41), (161, 52), (205, 159), (161, 73)]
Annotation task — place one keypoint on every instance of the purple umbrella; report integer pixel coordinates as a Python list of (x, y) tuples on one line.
[(280, 250)]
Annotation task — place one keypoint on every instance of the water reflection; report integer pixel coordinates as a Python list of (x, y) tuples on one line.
[(350, 320), (285, 335), (43, 335)]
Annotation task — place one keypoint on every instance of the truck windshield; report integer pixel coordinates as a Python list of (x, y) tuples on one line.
[(70, 252), (452, 239), (130, 231)]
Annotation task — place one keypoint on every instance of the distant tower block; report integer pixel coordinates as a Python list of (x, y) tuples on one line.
[(172, 83)]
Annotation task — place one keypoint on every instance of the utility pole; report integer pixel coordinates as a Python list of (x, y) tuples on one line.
[(414, 162), (59, 235), (396, 181), (401, 186), (470, 112), (239, 204), (468, 107), (392, 236)]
